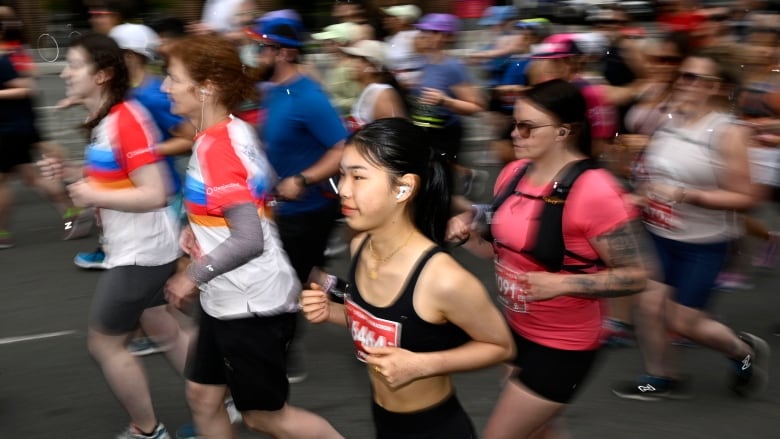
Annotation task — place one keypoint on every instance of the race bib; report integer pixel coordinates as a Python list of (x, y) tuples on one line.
[(510, 292), (660, 214), (370, 331)]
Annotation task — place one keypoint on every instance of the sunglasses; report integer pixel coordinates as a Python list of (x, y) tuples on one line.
[(665, 59), (718, 17), (524, 128), (690, 78), (262, 46)]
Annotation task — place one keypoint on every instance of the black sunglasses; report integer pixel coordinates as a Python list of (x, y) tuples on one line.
[(525, 128)]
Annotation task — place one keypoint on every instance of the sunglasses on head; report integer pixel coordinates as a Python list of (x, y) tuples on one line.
[(524, 128)]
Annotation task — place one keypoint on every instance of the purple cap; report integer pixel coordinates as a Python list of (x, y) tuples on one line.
[(439, 23)]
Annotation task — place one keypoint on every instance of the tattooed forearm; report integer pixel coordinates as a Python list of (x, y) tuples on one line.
[(625, 252), (625, 246)]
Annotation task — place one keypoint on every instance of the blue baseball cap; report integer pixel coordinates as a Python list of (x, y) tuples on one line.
[(283, 31), (439, 23), (494, 15)]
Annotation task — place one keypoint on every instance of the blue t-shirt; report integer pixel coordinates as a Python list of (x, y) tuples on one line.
[(442, 76), (149, 93), (515, 73), (157, 103), (298, 127)]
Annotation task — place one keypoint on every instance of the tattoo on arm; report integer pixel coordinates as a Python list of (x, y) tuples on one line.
[(625, 250)]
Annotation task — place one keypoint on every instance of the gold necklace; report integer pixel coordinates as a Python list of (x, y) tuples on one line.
[(372, 272)]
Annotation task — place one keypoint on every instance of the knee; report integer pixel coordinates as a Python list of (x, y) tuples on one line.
[(102, 346), (264, 422), (202, 400)]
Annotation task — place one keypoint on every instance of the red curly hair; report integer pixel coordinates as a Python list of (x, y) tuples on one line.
[(215, 59)]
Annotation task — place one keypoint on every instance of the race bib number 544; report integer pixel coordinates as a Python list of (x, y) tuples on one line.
[(370, 331)]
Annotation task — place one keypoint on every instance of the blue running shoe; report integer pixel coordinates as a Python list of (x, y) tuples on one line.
[(91, 260)]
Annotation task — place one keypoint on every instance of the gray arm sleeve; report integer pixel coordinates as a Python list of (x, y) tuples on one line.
[(244, 244)]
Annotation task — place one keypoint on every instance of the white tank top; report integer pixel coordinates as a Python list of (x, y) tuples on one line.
[(689, 157), (363, 108)]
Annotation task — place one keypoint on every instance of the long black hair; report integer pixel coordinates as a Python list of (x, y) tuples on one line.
[(394, 144), (106, 55), (564, 100)]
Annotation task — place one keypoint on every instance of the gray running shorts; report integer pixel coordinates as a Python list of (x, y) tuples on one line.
[(123, 293)]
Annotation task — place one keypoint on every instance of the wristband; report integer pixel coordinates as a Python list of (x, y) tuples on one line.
[(302, 180)]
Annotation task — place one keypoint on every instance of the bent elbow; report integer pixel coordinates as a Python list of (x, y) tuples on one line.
[(510, 351)]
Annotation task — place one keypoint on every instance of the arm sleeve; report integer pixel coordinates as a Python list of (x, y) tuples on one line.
[(244, 244)]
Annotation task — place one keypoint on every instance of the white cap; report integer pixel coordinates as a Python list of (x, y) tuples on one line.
[(408, 13), (372, 50), (344, 33), (136, 37)]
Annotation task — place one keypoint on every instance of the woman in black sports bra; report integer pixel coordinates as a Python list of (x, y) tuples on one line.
[(415, 314)]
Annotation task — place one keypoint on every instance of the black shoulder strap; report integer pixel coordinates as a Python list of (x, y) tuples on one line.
[(507, 190), (562, 186), (548, 248)]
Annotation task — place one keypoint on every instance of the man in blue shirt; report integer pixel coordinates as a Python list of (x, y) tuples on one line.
[(304, 139)]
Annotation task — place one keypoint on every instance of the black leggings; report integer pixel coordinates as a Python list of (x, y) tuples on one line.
[(446, 420)]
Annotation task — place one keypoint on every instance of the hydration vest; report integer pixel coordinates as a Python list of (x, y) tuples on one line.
[(548, 249)]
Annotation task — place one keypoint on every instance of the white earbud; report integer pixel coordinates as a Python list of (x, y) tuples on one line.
[(402, 190), (204, 92)]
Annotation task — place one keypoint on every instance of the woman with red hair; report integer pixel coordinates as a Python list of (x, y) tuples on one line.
[(248, 289)]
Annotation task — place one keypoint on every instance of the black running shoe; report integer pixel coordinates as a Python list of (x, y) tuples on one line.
[(750, 375), (650, 388)]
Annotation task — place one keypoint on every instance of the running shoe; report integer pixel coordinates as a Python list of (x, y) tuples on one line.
[(142, 346), (77, 223), (187, 431), (132, 433), (6, 239), (767, 256), (617, 334), (651, 388), (733, 281), (750, 375), (91, 260)]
